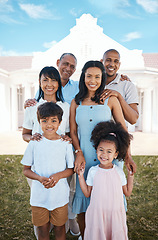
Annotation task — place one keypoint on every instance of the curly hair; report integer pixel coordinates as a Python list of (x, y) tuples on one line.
[(113, 132), (82, 86)]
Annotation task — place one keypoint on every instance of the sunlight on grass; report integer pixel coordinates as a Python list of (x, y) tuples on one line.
[(15, 218)]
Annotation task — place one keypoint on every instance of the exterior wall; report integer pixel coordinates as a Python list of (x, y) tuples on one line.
[(5, 122), (83, 42), (146, 81)]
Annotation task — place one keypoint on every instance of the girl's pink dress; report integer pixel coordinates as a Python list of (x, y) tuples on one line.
[(106, 216)]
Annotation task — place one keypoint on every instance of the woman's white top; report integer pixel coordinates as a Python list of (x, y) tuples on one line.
[(31, 122)]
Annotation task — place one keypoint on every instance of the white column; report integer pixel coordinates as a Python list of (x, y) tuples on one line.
[(147, 111), (155, 111), (14, 109), (27, 92), (4, 110)]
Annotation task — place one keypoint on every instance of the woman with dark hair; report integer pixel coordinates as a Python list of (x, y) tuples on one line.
[(52, 73), (85, 112), (49, 91)]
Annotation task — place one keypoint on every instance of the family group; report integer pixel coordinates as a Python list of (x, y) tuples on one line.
[(78, 144)]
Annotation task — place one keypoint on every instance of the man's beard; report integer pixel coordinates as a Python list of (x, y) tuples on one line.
[(110, 75)]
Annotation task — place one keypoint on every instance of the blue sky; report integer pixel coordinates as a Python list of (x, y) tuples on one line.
[(28, 26)]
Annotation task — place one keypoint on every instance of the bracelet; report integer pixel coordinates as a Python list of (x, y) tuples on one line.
[(78, 150)]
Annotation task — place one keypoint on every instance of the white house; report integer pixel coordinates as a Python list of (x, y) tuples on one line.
[(19, 75)]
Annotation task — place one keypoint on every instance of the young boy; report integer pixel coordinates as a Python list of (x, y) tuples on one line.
[(53, 162)]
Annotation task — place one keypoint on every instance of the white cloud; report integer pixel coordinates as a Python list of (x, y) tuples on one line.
[(73, 12), (37, 11), (49, 44), (3, 1), (120, 8), (110, 6), (131, 36), (5, 6), (150, 6), (8, 19)]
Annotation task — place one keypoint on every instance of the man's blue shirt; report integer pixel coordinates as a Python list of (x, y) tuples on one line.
[(70, 90)]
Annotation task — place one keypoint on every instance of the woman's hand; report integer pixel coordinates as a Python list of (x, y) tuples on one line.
[(130, 164), (79, 162), (36, 137), (66, 138)]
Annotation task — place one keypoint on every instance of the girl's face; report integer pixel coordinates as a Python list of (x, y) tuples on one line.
[(48, 85), (106, 152), (93, 78)]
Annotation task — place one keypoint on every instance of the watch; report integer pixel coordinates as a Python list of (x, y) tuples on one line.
[(78, 150)]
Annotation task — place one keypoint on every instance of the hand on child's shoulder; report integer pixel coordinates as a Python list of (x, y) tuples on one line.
[(66, 138), (36, 137)]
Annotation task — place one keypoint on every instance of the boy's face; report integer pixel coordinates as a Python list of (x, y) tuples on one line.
[(49, 125), (111, 63)]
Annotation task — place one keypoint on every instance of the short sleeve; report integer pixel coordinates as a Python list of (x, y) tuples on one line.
[(90, 176), (27, 123), (28, 158), (131, 94), (69, 156), (122, 175)]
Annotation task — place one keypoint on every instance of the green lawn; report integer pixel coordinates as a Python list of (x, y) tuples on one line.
[(15, 217)]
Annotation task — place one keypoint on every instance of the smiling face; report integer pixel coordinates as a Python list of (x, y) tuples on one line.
[(66, 67), (48, 85), (49, 126), (93, 78), (106, 152), (111, 62)]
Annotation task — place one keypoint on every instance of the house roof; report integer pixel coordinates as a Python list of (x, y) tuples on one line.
[(13, 63), (151, 60)]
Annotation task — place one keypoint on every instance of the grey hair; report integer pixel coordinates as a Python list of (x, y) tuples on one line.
[(70, 54)]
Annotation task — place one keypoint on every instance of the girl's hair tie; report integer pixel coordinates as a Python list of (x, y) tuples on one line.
[(113, 134)]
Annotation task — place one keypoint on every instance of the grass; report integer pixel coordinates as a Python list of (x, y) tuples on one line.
[(15, 217)]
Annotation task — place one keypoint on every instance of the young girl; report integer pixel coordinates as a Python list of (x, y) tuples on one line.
[(106, 183)]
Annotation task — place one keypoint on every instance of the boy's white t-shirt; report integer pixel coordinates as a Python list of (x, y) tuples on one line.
[(49, 157), (31, 122), (92, 171)]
